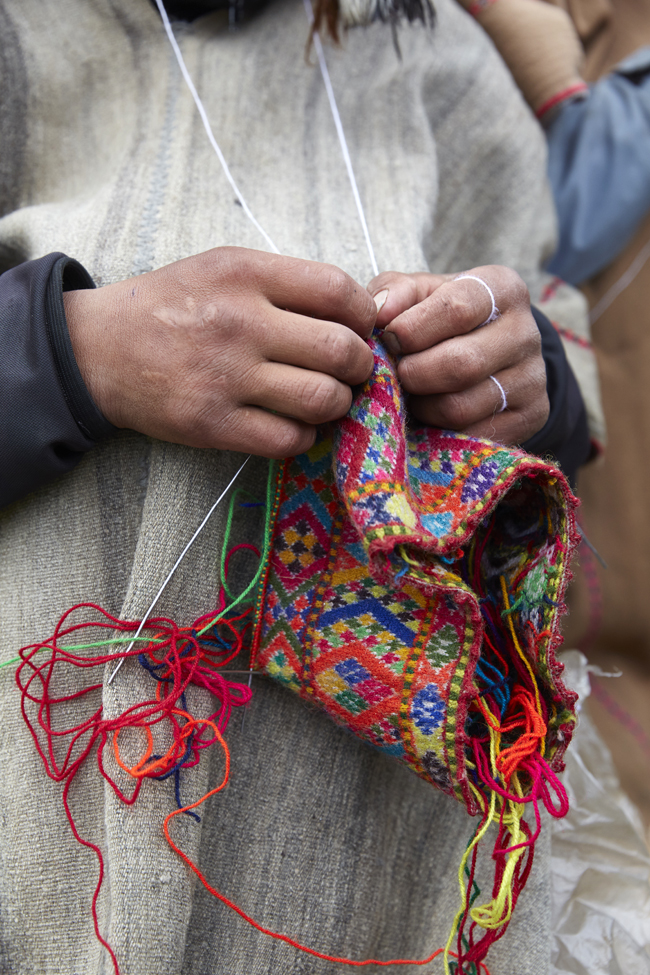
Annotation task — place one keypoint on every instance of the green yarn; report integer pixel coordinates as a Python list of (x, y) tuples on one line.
[(222, 575)]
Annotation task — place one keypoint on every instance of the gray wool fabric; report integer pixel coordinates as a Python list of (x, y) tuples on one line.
[(105, 158)]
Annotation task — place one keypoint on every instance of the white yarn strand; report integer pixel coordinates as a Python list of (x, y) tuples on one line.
[(494, 314), (215, 145), (177, 563), (208, 128), (504, 398), (619, 286), (341, 134)]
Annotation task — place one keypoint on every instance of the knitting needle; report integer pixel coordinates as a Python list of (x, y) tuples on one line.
[(176, 565), (591, 546)]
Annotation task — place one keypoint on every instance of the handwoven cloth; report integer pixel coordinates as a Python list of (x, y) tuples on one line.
[(414, 593)]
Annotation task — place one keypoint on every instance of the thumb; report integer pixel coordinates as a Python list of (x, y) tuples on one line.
[(395, 293)]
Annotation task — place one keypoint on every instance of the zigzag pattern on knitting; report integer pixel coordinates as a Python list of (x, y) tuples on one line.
[(367, 607)]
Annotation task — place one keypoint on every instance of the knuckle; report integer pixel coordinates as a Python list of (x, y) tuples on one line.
[(533, 376), (454, 411), (197, 420), (542, 409), (288, 439), (386, 279), (538, 381), (324, 399), (464, 366), (339, 351), (413, 376), (514, 284), (458, 311), (233, 264), (533, 338), (227, 324), (336, 283), (534, 416)]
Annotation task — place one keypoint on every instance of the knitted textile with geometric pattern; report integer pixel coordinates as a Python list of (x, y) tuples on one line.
[(414, 592)]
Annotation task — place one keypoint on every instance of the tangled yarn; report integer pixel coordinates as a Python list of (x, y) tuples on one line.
[(174, 656)]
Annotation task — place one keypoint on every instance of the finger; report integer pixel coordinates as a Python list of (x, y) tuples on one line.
[(313, 397), (310, 288), (459, 411), (511, 428), (254, 431), (394, 293), (480, 411), (456, 308), (462, 362), (324, 347)]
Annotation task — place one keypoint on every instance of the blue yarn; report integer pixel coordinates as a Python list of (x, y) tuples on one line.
[(448, 560), (499, 687), (177, 793)]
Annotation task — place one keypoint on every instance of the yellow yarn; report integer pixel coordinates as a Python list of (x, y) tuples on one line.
[(511, 627), (497, 912)]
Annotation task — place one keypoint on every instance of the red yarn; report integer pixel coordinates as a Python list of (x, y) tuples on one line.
[(179, 658), (267, 931), (176, 657)]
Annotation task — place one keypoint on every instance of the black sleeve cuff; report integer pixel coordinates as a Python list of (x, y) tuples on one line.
[(49, 420), (68, 275), (565, 435)]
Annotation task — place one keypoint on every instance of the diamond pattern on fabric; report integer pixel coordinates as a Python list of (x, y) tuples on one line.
[(388, 544)]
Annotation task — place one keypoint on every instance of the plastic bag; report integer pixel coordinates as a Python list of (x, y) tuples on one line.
[(600, 860)]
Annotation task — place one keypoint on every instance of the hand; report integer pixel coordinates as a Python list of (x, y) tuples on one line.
[(538, 42), (198, 351), (432, 321)]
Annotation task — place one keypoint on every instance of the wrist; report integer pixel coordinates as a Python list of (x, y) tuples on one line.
[(540, 46), (67, 274), (91, 348)]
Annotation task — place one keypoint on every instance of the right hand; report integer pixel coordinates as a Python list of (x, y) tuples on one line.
[(200, 351)]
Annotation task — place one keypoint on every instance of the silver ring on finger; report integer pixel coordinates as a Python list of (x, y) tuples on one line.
[(494, 313), (504, 398)]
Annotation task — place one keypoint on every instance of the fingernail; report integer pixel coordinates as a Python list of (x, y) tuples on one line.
[(392, 343), (380, 299)]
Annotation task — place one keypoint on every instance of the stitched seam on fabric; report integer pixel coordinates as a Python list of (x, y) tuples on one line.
[(421, 640), (455, 713)]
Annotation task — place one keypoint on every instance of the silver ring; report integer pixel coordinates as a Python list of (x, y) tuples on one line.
[(494, 314), (504, 398)]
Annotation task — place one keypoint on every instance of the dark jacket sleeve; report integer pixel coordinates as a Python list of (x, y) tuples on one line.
[(49, 420), (565, 435)]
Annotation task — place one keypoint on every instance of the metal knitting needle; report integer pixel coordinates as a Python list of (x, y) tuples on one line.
[(250, 681), (590, 546), (176, 565)]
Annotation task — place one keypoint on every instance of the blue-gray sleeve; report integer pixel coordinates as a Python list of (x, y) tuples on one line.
[(599, 169)]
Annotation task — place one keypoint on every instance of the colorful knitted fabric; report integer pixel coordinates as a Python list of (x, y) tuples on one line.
[(414, 592)]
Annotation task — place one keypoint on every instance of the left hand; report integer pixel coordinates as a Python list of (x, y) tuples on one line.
[(431, 321)]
